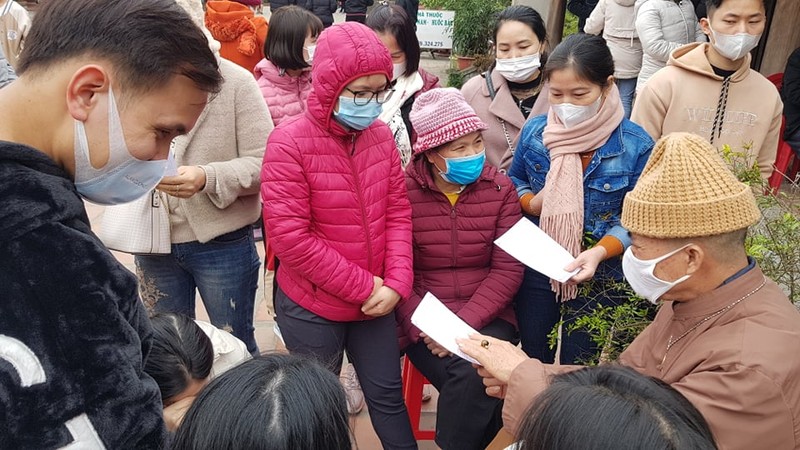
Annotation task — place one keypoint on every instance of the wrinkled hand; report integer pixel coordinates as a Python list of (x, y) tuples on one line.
[(434, 346), (189, 181), (381, 303), (174, 413), (587, 262), (497, 361)]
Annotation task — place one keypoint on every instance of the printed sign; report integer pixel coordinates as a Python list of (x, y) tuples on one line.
[(435, 28)]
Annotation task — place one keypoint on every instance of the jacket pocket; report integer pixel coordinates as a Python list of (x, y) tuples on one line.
[(605, 194)]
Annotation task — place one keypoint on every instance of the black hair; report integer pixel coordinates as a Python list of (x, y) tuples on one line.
[(529, 17), (273, 402), (394, 20), (611, 406), (147, 41), (586, 54), (711, 5), (181, 352), (288, 28)]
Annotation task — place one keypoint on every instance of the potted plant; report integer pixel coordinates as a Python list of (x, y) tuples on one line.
[(472, 26)]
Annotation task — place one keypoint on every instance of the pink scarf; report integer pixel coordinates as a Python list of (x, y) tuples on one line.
[(562, 204)]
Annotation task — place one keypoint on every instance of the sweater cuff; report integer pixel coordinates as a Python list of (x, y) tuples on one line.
[(612, 245), (525, 201), (211, 179)]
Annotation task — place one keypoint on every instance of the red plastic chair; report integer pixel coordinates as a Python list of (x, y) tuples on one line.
[(413, 382), (785, 157)]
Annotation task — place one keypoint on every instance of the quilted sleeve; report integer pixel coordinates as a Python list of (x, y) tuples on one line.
[(399, 272), (287, 212)]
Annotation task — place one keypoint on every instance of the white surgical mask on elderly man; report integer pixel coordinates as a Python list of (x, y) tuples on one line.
[(639, 273), (734, 46), (518, 70)]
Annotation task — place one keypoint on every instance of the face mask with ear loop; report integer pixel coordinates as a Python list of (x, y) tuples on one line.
[(639, 274), (124, 178)]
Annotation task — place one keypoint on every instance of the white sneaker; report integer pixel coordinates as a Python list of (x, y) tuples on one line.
[(352, 389)]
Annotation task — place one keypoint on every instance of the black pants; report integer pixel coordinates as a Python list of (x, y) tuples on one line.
[(466, 418), (371, 346)]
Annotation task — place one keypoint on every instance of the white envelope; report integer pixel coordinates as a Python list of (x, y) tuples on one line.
[(536, 249), (441, 325)]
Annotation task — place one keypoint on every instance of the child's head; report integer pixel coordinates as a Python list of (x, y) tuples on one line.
[(580, 70), (181, 358), (734, 27), (352, 69), (292, 37), (520, 32), (277, 401), (396, 31), (612, 407), (449, 135)]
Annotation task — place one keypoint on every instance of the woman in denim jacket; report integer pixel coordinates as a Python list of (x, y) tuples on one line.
[(572, 168)]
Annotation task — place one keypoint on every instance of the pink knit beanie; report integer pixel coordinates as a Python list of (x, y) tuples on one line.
[(440, 116)]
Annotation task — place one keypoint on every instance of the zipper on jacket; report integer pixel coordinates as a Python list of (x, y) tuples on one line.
[(364, 221), (454, 245)]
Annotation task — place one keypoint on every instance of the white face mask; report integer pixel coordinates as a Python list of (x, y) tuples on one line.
[(518, 70), (639, 273), (734, 46), (572, 115), (124, 178), (310, 49), (398, 70)]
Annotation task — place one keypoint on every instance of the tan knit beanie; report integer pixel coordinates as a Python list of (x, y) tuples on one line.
[(687, 190)]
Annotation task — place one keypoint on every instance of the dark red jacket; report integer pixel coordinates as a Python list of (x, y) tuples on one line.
[(454, 253)]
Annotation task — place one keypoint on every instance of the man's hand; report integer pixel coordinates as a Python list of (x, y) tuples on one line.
[(498, 359), (189, 181)]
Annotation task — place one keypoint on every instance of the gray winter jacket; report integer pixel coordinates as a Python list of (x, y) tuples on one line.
[(615, 19), (663, 26)]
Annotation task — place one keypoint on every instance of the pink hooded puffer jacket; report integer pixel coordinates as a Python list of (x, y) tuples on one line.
[(335, 200), (285, 95)]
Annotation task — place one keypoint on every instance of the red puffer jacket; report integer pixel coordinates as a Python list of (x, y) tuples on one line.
[(335, 201), (454, 253)]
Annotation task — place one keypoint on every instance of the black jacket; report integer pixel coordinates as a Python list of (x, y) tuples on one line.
[(275, 4), (582, 9), (790, 93), (73, 332), (357, 6), (323, 9)]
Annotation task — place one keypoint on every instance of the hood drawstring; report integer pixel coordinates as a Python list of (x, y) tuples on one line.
[(722, 105)]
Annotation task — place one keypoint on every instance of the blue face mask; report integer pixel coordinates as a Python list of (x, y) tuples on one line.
[(357, 117), (124, 178), (464, 170)]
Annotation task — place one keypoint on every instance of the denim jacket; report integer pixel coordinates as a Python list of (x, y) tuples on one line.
[(612, 173)]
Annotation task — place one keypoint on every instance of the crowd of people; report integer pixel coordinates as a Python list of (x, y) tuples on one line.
[(377, 186)]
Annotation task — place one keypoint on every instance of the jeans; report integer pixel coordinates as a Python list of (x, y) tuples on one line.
[(371, 346), (466, 418), (538, 312), (224, 270), (627, 90)]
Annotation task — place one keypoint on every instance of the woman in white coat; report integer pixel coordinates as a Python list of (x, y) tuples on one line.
[(663, 26)]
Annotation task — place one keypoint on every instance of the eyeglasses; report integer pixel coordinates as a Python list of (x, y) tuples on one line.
[(361, 98)]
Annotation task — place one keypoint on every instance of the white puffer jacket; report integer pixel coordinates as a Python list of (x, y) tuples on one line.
[(663, 26), (616, 20)]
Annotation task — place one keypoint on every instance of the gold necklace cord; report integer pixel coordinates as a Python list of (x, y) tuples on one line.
[(670, 342)]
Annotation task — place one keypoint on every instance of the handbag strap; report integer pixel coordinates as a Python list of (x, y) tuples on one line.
[(492, 94)]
